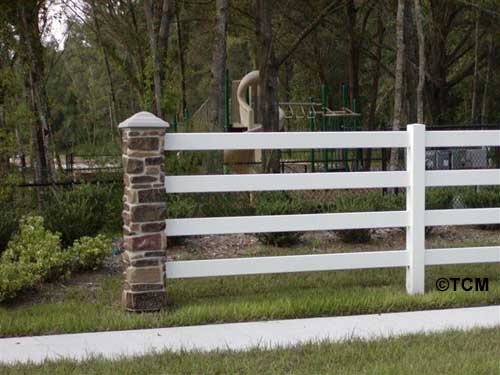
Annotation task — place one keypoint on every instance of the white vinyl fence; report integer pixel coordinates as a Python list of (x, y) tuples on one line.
[(415, 179)]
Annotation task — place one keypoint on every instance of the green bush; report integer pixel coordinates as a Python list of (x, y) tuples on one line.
[(277, 203), (34, 255), (485, 197), (435, 199), (180, 206), (83, 211), (35, 246), (89, 252), (14, 277), (14, 203), (8, 225), (357, 202), (227, 204), (439, 199)]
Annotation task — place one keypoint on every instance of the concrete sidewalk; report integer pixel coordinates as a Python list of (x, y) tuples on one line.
[(241, 336)]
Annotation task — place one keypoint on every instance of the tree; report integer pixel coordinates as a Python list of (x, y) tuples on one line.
[(158, 44), (398, 80), (421, 62), (269, 63), (26, 20), (218, 70)]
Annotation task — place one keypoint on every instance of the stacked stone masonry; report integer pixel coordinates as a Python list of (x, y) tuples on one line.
[(144, 212)]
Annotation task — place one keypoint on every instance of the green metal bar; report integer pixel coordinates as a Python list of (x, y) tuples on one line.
[(226, 101), (310, 120), (323, 121), (185, 118), (174, 124), (344, 95), (345, 152), (355, 126), (336, 155)]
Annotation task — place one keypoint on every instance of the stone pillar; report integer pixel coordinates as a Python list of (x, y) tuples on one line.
[(144, 212)]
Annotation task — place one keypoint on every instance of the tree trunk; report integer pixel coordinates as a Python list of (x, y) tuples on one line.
[(473, 110), (375, 84), (112, 96), (155, 58), (410, 74), (180, 45), (421, 63), (398, 80), (268, 68), (353, 53), (217, 87), (33, 62), (487, 78)]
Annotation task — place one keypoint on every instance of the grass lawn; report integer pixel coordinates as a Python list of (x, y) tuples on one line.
[(451, 353), (91, 302)]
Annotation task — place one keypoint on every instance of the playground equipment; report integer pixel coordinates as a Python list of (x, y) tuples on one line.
[(241, 99), (240, 116), (241, 161)]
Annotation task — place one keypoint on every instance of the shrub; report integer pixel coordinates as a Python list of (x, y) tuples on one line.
[(14, 277), (89, 252), (14, 203), (357, 202), (435, 199), (485, 197), (277, 203), (82, 211), (180, 206), (8, 225), (227, 204), (35, 246), (438, 199)]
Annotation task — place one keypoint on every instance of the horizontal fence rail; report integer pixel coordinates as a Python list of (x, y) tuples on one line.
[(319, 181), (284, 264), (290, 181), (462, 177), (415, 218), (326, 262), (483, 254), (468, 216), (462, 138), (289, 140), (308, 140), (285, 223), (317, 222)]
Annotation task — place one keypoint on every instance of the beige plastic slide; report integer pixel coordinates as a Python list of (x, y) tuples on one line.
[(246, 158)]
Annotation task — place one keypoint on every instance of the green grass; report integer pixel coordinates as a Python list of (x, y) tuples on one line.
[(80, 308), (91, 302), (451, 353)]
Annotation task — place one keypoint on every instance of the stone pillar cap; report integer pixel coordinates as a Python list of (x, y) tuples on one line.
[(143, 120)]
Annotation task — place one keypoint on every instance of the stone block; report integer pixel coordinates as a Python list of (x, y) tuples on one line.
[(153, 227), (151, 195), (155, 161), (144, 144), (148, 212), (133, 166), (143, 179), (144, 301), (144, 275), (143, 242), (152, 171)]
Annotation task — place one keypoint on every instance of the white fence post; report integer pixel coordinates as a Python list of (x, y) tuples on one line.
[(415, 207)]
